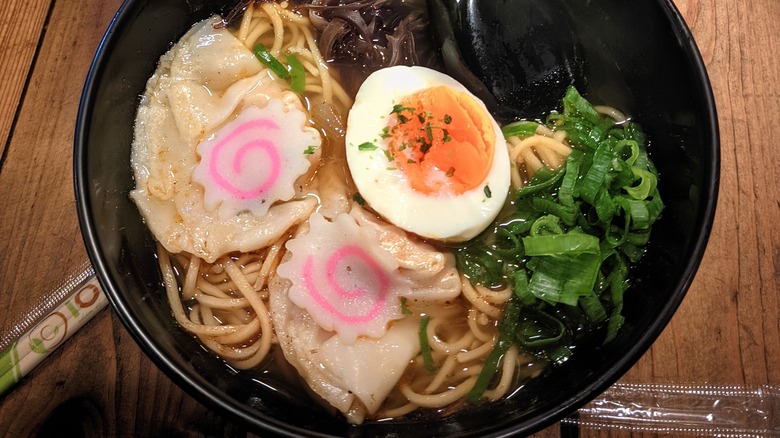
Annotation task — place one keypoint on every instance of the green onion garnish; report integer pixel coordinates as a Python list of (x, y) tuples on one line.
[(405, 307), (522, 129), (425, 347), (506, 328), (269, 61), (297, 74), (398, 108)]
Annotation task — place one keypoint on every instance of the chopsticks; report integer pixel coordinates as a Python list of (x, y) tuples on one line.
[(50, 322)]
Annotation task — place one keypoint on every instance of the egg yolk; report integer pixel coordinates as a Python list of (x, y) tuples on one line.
[(442, 139)]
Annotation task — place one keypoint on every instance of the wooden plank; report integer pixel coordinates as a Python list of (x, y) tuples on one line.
[(20, 34)]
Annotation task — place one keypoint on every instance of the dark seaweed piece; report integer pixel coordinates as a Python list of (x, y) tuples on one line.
[(366, 35)]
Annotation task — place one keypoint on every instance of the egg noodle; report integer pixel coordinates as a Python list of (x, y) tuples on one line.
[(286, 31), (225, 303), (546, 148), (230, 313)]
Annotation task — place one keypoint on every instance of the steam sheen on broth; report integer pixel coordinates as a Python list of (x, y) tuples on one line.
[(260, 179)]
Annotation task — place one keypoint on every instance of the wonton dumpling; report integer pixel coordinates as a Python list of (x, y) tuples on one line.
[(202, 84), (355, 376)]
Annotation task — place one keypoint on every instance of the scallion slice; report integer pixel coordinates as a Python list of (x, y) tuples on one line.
[(271, 62), (297, 74)]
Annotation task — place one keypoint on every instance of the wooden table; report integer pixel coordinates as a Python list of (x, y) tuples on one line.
[(727, 330)]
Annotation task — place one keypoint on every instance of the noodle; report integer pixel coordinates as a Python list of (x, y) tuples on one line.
[(229, 316), (508, 365), (611, 112), (475, 353), (441, 399), (172, 290), (546, 148), (479, 301), (475, 319)]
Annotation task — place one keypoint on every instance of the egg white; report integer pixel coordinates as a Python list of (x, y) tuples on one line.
[(387, 189)]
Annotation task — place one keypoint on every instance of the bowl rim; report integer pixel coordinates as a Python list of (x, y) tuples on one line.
[(207, 394)]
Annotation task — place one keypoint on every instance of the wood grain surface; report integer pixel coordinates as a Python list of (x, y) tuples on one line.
[(727, 330)]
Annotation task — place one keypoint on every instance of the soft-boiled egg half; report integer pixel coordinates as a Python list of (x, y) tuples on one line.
[(425, 153)]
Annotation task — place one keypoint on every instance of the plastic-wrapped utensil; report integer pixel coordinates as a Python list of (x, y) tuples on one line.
[(685, 409), (33, 335)]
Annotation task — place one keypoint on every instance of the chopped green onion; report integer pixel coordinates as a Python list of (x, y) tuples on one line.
[(310, 150), (297, 74), (425, 347), (521, 288), (647, 183), (543, 179), (571, 172), (593, 180), (269, 61), (522, 129), (563, 279), (560, 354), (507, 244), (398, 108), (367, 146), (574, 103), (506, 329), (558, 244), (566, 213), (538, 330), (479, 266), (593, 308), (546, 225), (405, 307)]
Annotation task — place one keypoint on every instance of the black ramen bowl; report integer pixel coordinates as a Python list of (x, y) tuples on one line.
[(637, 56)]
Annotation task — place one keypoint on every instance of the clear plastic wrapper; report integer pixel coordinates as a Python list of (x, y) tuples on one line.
[(694, 410), (46, 303)]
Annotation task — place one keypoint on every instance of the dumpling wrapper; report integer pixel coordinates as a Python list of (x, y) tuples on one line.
[(199, 86)]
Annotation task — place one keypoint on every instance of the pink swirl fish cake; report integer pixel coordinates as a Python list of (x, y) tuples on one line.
[(254, 161)]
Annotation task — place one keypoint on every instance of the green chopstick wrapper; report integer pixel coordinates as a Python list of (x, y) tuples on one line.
[(55, 319)]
